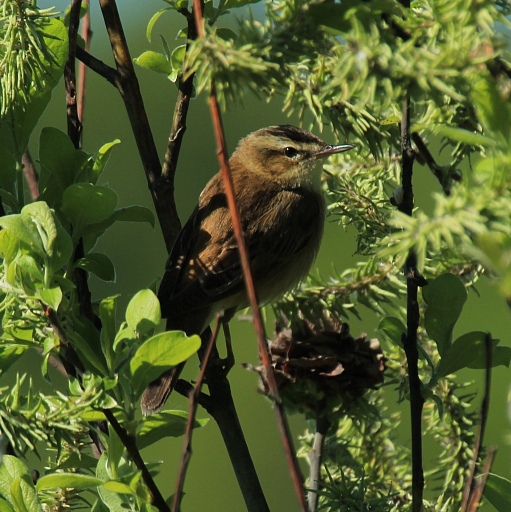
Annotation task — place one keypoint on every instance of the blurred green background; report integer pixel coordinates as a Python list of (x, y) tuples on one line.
[(139, 255)]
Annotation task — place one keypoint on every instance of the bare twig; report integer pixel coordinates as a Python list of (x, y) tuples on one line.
[(194, 400), (249, 282), (471, 490), (185, 86), (477, 492), (315, 459), (82, 69), (413, 281), (102, 69), (30, 173), (128, 86), (129, 443), (426, 155), (74, 125)]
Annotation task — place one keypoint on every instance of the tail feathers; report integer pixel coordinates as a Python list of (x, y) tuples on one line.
[(158, 391)]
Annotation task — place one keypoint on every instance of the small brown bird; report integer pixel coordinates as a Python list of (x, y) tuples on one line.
[(276, 173)]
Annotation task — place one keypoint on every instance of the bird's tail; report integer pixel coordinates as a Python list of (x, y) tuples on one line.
[(158, 391)]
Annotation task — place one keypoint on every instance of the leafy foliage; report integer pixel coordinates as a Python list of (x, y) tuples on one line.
[(345, 65)]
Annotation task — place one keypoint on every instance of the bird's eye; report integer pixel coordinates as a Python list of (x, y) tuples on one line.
[(290, 152)]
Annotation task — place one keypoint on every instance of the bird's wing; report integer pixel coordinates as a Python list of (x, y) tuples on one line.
[(204, 266)]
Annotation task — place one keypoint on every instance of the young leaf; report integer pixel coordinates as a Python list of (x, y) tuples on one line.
[(51, 297), (498, 492), (445, 297), (87, 204), (68, 480), (154, 61), (22, 229), (394, 329), (16, 485), (101, 159), (98, 264), (107, 309), (469, 351), (143, 311), (159, 353)]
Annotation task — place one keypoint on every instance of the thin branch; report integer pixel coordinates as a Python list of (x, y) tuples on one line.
[(74, 125), (98, 66), (220, 405), (249, 282), (166, 186), (413, 281), (477, 492), (316, 458), (82, 69), (129, 443), (30, 173), (426, 155), (194, 400), (470, 486), (129, 89)]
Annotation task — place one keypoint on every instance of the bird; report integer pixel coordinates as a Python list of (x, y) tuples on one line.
[(276, 173)]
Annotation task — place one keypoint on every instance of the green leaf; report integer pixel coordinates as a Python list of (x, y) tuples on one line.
[(461, 135), (9, 354), (143, 312), (107, 311), (61, 164), (112, 500), (498, 492), (98, 264), (42, 217), (17, 125), (154, 61), (118, 487), (87, 204), (159, 353), (127, 214), (16, 485), (445, 297), (164, 424), (134, 214), (24, 495), (153, 20), (24, 232), (101, 159), (394, 328), (469, 351), (5, 506), (68, 480), (178, 56), (51, 297)]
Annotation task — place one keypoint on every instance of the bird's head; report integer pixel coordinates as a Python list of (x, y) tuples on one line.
[(286, 154)]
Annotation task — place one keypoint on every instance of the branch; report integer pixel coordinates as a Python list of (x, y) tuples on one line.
[(220, 405), (472, 492), (74, 126), (129, 88), (86, 35), (129, 443), (249, 282), (30, 173), (194, 400), (102, 69), (166, 186), (413, 281), (426, 155), (316, 458)]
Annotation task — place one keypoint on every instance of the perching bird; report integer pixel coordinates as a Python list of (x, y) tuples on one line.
[(276, 173)]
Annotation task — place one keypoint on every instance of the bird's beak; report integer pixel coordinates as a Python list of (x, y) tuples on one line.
[(330, 150)]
